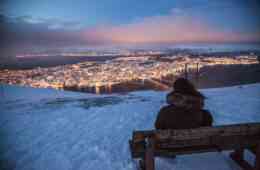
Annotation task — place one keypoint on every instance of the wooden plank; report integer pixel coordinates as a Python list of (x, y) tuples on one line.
[(217, 141), (227, 130), (179, 151)]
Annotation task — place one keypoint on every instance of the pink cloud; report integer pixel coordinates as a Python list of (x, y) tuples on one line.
[(177, 27), (167, 29)]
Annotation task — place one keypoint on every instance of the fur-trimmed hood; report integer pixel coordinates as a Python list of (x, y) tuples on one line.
[(185, 100)]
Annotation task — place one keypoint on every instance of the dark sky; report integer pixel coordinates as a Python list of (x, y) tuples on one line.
[(33, 25)]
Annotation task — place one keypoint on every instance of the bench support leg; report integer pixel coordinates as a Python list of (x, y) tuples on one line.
[(141, 164), (238, 157), (147, 162), (257, 158), (149, 159)]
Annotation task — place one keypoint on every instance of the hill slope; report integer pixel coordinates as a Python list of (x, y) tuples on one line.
[(47, 129)]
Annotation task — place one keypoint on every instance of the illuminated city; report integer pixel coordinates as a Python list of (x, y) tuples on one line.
[(116, 71)]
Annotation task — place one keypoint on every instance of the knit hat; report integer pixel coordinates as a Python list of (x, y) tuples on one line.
[(184, 86)]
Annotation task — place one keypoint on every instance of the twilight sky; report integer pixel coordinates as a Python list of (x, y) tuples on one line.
[(49, 24)]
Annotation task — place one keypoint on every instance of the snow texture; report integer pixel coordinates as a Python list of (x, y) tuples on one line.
[(45, 129)]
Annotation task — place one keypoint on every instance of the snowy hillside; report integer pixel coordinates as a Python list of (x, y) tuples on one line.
[(44, 129)]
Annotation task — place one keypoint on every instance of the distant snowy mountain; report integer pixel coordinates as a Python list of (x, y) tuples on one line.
[(44, 129)]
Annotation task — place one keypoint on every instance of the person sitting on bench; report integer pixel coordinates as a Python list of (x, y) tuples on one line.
[(184, 109)]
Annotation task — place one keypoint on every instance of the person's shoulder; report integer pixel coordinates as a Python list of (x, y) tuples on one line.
[(207, 118), (172, 110), (170, 106), (205, 111), (167, 108)]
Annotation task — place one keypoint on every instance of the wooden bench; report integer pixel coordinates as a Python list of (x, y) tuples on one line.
[(168, 143)]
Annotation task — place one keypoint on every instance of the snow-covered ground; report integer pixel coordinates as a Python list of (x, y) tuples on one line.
[(44, 129)]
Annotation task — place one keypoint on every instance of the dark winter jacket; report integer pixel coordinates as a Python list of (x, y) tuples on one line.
[(183, 112), (172, 117)]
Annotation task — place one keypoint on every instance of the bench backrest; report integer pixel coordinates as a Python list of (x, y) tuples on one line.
[(203, 139)]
